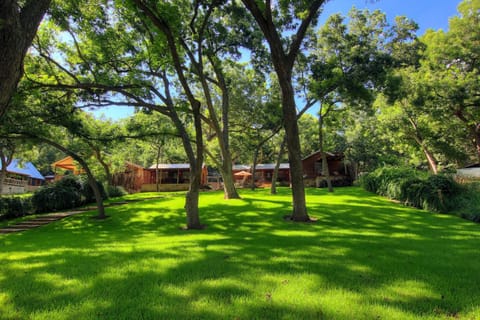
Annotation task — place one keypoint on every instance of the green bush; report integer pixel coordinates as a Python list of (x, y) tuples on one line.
[(116, 191), (88, 193), (388, 181), (414, 188), (70, 192), (466, 203), (56, 197), (14, 207)]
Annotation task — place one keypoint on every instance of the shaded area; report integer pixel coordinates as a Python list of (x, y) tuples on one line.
[(365, 258)]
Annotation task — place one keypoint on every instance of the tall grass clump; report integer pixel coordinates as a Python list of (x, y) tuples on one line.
[(70, 192), (438, 193)]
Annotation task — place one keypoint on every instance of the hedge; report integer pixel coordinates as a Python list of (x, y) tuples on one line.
[(14, 207), (438, 193), (70, 192)]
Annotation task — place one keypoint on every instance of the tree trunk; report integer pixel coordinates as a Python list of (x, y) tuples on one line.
[(222, 132), (254, 169), (157, 178), (3, 174), (230, 192), (294, 150), (432, 162), (325, 171), (106, 168), (273, 187), (196, 161), (96, 190), (283, 63), (477, 140), (91, 179), (17, 29), (3, 171), (191, 201), (195, 158)]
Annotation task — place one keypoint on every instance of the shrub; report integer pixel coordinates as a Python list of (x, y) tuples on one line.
[(116, 191), (466, 203), (388, 181), (56, 197), (417, 189), (70, 192), (88, 193), (14, 207)]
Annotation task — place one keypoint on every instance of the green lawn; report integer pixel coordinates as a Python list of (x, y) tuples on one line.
[(365, 258)]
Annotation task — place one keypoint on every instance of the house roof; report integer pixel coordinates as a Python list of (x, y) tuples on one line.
[(24, 168), (240, 167), (271, 166), (65, 163), (171, 166), (260, 166), (329, 155), (474, 165)]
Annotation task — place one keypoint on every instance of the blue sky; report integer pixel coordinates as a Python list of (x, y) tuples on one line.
[(429, 14)]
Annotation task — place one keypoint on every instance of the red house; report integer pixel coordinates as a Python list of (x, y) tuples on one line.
[(312, 169), (171, 177)]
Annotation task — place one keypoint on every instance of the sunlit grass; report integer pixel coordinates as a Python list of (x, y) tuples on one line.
[(365, 258)]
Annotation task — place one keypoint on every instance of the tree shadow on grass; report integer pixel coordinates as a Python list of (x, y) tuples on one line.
[(248, 264)]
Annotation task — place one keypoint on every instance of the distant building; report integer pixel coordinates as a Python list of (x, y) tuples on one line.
[(263, 174), (338, 170), (471, 172), (21, 177), (171, 177), (64, 167), (131, 178)]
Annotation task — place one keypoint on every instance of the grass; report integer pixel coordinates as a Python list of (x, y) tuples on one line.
[(365, 258)]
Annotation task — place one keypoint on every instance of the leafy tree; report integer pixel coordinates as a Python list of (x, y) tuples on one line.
[(44, 118), (450, 69), (351, 63), (285, 25), (367, 145), (105, 64), (19, 21)]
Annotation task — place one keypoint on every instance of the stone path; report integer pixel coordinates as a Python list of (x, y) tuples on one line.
[(37, 222), (51, 217)]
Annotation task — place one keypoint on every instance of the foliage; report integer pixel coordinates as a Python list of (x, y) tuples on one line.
[(14, 207), (116, 191), (430, 192), (67, 193), (468, 202), (368, 257)]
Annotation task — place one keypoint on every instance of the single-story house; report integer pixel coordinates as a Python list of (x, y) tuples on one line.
[(171, 177), (338, 170), (21, 177), (263, 173), (131, 178)]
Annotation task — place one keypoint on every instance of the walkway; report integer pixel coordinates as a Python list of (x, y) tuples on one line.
[(37, 222), (51, 217)]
